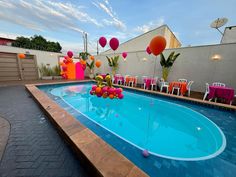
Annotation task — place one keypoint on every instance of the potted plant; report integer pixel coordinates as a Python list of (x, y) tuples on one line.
[(45, 71), (84, 55), (91, 68), (113, 63), (167, 64), (56, 72)]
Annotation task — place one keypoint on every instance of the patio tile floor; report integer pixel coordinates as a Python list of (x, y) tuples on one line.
[(34, 146)]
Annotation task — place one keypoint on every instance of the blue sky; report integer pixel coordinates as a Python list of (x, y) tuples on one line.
[(64, 21)]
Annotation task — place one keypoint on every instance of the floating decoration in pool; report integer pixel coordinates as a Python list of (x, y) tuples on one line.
[(145, 153), (71, 70), (105, 89)]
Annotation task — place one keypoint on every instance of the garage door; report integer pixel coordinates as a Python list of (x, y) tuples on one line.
[(9, 68)]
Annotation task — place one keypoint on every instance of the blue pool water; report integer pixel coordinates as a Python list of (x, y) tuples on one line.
[(164, 128)]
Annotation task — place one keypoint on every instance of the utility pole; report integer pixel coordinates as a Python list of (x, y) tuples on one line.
[(97, 48), (85, 40)]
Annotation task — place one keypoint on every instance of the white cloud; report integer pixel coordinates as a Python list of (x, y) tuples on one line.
[(114, 21), (43, 15), (151, 25)]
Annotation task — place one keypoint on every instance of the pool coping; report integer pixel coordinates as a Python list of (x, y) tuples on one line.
[(108, 162)]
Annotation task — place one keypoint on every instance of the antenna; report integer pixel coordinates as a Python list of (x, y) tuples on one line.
[(219, 22)]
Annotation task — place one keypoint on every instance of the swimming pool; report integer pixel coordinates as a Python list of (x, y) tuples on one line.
[(164, 128)]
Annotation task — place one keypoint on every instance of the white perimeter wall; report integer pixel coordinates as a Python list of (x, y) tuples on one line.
[(41, 56), (194, 63)]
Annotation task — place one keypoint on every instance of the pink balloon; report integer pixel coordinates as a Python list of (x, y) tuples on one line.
[(70, 54), (148, 50), (102, 41), (94, 87), (120, 96), (114, 43), (64, 68), (124, 55)]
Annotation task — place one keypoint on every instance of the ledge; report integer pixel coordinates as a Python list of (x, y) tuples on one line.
[(98, 156)]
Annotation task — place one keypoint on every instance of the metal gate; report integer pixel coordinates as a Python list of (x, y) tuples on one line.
[(13, 68)]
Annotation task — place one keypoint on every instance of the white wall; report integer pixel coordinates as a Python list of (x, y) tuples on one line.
[(41, 56), (141, 42), (194, 63), (229, 35)]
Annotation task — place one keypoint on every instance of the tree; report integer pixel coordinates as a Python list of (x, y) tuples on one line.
[(37, 42)]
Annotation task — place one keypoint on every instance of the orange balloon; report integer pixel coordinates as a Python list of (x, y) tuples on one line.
[(111, 96), (104, 95), (98, 63), (61, 63), (157, 45), (83, 62), (21, 56), (98, 90), (92, 57)]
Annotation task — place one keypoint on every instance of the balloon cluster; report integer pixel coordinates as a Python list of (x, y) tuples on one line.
[(114, 44), (67, 59), (102, 90), (107, 91)]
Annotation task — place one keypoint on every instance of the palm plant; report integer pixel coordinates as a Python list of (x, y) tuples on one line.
[(84, 55), (56, 70), (113, 63), (45, 70), (167, 63), (91, 66)]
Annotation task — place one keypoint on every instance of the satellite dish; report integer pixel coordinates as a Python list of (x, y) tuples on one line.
[(219, 22)]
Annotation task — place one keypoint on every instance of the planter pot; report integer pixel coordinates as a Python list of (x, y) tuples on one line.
[(57, 77), (47, 77), (91, 76)]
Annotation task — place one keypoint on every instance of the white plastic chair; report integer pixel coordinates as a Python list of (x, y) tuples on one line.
[(154, 83), (143, 81), (207, 91), (162, 84), (182, 80), (175, 88), (232, 100), (218, 84), (189, 87)]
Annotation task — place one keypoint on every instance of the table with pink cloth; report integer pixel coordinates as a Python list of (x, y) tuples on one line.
[(148, 82), (226, 93), (117, 78)]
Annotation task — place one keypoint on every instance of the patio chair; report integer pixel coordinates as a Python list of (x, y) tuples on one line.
[(162, 84), (143, 81), (175, 88), (207, 91), (218, 84), (154, 83), (182, 80), (231, 102), (189, 87)]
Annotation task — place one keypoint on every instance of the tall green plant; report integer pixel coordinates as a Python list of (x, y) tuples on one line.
[(45, 70), (113, 63), (84, 55), (167, 63), (56, 70)]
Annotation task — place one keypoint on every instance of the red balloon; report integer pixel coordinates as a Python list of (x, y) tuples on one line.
[(157, 45), (70, 54), (102, 41), (124, 54), (114, 43), (148, 50)]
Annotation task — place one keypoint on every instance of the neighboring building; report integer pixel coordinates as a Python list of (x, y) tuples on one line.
[(6, 41), (229, 35), (141, 42)]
